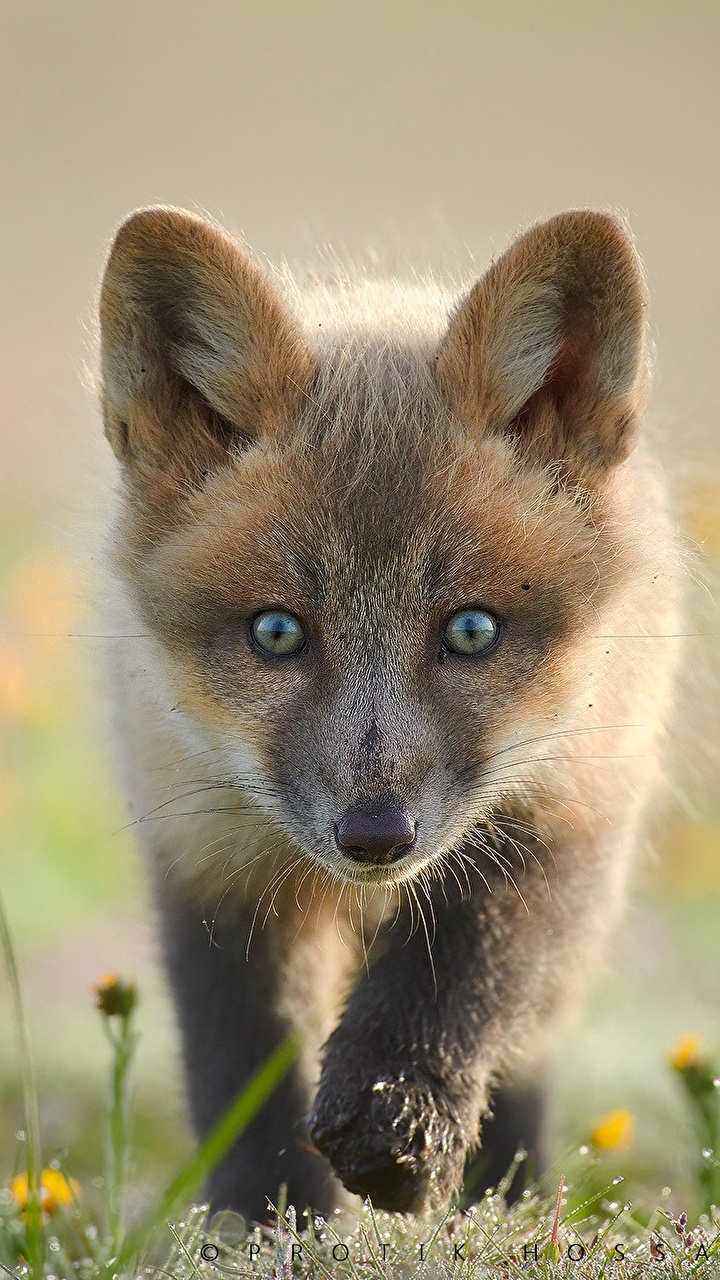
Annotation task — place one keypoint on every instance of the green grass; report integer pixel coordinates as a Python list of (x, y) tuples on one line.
[(47, 1231), (541, 1236)]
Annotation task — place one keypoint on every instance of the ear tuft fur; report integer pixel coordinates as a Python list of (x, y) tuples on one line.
[(549, 346), (198, 351)]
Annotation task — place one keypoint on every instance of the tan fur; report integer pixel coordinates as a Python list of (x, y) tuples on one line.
[(181, 307), (344, 452), (561, 312)]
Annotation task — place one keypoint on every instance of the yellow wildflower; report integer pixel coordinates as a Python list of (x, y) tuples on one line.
[(614, 1131), (687, 1052), (13, 680), (55, 1189), (45, 596), (114, 997)]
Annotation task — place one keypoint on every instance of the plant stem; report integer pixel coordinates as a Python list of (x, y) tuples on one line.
[(118, 1139), (698, 1080), (184, 1185), (34, 1235)]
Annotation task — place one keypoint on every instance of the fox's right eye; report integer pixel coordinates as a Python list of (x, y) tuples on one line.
[(471, 632), (278, 633)]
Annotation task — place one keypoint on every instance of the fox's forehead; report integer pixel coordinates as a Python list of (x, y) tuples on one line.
[(404, 523), (375, 502)]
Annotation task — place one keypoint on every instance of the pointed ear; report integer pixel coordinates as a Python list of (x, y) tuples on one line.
[(549, 347), (198, 352)]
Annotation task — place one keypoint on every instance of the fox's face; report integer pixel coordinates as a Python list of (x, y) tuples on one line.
[(372, 567)]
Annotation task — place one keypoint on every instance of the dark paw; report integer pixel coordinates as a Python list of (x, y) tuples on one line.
[(394, 1141)]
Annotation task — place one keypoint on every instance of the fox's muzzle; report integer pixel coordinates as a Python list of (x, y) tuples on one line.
[(376, 832)]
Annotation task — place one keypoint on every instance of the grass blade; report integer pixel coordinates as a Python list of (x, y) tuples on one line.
[(34, 1235), (186, 1183)]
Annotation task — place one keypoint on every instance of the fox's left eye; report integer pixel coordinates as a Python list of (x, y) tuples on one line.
[(278, 633), (471, 631)]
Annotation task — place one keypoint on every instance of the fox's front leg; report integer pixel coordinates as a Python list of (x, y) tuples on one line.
[(401, 1094), (237, 997), (408, 1072)]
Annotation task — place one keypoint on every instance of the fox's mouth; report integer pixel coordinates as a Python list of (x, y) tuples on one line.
[(383, 861), (397, 872), (387, 872)]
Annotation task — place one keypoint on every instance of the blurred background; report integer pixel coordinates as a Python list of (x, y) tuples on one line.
[(431, 134)]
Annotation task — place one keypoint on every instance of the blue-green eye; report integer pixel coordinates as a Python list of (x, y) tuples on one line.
[(278, 633), (471, 631)]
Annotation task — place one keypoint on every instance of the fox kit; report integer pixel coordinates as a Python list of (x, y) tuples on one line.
[(394, 586)]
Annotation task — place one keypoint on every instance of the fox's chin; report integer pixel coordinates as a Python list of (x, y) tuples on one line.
[(401, 871)]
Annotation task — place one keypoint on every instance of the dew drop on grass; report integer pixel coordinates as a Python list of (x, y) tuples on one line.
[(54, 1244), (707, 1153), (616, 1180), (613, 1205), (583, 1149), (20, 1135)]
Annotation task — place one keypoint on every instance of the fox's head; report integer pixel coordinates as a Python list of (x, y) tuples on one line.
[(370, 539)]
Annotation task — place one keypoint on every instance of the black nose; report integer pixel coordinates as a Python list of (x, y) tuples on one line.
[(376, 832)]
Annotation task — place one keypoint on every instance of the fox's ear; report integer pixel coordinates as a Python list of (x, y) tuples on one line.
[(549, 347), (198, 352)]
